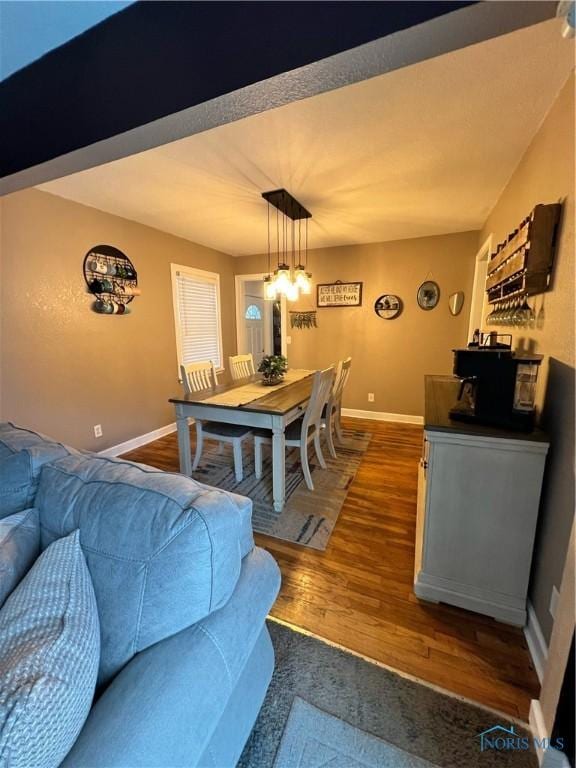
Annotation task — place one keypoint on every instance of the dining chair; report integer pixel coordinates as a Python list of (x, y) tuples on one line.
[(304, 430), (331, 416), (200, 376), (241, 366)]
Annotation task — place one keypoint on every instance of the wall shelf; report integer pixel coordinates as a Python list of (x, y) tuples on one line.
[(522, 264)]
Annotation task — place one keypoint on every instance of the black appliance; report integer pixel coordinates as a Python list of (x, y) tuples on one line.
[(497, 385)]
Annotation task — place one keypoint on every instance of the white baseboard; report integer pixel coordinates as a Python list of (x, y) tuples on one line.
[(547, 757), (536, 643), (136, 442), (537, 726), (402, 418)]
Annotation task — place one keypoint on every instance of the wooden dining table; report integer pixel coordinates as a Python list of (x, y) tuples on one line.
[(273, 410)]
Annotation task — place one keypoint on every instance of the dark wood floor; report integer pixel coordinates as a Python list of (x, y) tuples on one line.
[(358, 593)]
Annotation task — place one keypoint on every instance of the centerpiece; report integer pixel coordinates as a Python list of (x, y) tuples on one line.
[(273, 368)]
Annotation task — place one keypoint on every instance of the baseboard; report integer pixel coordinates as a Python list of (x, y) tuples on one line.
[(402, 418), (536, 643), (537, 727), (136, 442)]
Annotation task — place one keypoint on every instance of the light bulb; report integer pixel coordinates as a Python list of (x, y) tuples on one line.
[(282, 278), (269, 289), (291, 292), (303, 279)]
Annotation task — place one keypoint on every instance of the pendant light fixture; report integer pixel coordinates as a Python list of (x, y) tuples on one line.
[(290, 276)]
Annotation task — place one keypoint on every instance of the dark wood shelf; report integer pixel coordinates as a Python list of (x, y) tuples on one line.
[(522, 265)]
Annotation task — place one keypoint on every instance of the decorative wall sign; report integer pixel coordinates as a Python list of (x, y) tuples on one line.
[(456, 302), (303, 319), (111, 278), (339, 294), (428, 295), (388, 306)]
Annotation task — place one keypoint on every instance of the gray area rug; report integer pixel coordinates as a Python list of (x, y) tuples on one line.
[(314, 739), (308, 517), (409, 716)]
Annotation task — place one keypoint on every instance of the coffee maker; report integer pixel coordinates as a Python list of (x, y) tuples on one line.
[(497, 385)]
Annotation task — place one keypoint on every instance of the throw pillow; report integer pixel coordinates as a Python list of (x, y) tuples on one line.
[(19, 548), (49, 653)]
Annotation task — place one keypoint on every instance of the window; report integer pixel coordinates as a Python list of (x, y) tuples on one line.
[(253, 313), (196, 296)]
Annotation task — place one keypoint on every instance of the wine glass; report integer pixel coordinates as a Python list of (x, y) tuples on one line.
[(524, 312)]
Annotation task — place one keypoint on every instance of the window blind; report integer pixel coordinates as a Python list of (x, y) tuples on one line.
[(197, 314)]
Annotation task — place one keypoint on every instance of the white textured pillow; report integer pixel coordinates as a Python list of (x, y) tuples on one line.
[(49, 654)]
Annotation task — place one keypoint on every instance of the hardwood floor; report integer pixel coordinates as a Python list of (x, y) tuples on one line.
[(358, 593)]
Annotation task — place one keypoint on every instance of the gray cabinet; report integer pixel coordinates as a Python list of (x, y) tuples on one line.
[(478, 498)]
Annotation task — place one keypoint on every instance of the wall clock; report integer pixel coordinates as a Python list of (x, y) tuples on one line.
[(428, 295), (388, 306)]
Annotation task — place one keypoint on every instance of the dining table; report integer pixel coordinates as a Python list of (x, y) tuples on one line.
[(248, 402)]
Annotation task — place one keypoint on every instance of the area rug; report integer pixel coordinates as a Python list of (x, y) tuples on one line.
[(308, 517), (314, 739), (408, 715)]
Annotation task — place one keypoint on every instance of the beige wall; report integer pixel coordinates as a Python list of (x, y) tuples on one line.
[(546, 175), (66, 368), (390, 357)]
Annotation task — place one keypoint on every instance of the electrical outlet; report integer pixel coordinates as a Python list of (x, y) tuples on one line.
[(370, 397), (554, 602), (98, 430)]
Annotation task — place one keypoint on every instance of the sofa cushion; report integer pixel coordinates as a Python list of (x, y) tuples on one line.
[(163, 551), (49, 647), (19, 548), (164, 707), (22, 455)]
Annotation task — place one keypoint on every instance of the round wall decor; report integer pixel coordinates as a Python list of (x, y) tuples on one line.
[(428, 295), (388, 306), (111, 278)]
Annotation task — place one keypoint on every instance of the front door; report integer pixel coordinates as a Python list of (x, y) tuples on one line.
[(254, 318)]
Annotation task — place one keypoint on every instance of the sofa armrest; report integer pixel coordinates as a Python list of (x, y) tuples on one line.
[(163, 707)]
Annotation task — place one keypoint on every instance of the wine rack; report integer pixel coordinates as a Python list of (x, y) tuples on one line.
[(522, 264)]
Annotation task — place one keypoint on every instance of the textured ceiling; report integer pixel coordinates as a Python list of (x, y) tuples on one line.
[(420, 151)]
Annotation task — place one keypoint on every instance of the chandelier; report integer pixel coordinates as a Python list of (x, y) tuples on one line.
[(291, 276)]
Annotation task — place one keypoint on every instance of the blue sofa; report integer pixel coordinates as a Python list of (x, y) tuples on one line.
[(182, 596)]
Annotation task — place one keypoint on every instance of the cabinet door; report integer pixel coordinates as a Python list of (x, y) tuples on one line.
[(481, 518)]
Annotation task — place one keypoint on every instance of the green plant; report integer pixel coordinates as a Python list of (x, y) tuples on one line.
[(273, 367)]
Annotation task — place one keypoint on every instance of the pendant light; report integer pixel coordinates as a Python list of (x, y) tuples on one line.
[(289, 278), (302, 277)]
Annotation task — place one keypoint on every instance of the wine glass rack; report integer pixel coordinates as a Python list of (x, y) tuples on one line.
[(522, 264)]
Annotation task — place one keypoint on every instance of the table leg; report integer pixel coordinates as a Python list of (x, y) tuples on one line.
[(278, 464), (183, 441)]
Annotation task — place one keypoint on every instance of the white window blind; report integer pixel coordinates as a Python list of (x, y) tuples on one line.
[(197, 315)]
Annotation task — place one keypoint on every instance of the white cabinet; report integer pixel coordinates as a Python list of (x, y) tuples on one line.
[(478, 498)]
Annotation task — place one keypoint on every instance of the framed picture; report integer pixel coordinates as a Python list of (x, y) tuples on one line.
[(428, 295), (339, 294), (388, 306)]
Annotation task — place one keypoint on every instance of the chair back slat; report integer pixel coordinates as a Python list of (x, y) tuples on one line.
[(198, 376), (342, 374), (321, 389), (241, 366)]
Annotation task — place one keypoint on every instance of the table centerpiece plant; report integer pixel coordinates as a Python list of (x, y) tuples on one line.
[(273, 368)]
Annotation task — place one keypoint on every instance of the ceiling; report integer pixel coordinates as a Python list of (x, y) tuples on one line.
[(424, 150)]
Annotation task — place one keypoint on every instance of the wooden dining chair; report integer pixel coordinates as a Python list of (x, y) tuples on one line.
[(200, 376), (241, 366), (300, 433), (331, 416)]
